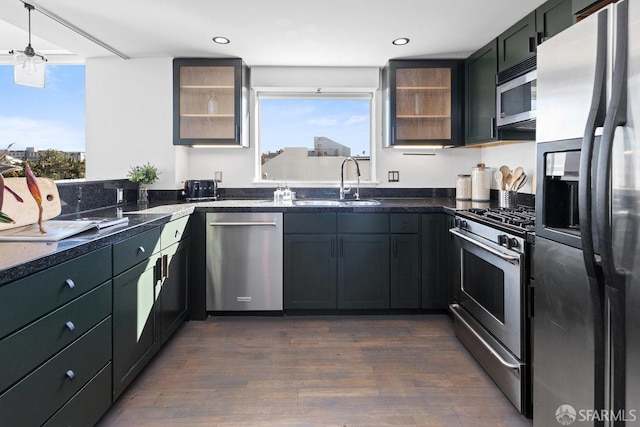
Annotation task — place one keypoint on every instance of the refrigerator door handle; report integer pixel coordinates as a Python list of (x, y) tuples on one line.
[(595, 119), (616, 117)]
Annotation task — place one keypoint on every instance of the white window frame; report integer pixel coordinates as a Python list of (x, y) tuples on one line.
[(370, 94)]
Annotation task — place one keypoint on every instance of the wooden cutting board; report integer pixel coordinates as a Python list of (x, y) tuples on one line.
[(26, 213)]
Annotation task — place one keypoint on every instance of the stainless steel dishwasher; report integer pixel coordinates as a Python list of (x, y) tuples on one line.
[(244, 261)]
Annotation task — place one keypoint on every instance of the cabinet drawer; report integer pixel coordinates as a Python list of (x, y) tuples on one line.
[(405, 223), (25, 300), (310, 223), (88, 405), (175, 231), (22, 351), (130, 252), (363, 223), (34, 399)]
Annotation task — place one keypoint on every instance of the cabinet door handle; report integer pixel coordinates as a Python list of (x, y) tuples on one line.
[(532, 44), (395, 247), (141, 249), (165, 266), (70, 374), (70, 325), (341, 247), (70, 283), (177, 233), (333, 247), (493, 127)]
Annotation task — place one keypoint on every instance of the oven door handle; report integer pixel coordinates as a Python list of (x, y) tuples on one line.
[(510, 258), (505, 363)]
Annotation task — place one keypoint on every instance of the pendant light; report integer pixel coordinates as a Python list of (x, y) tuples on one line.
[(28, 65)]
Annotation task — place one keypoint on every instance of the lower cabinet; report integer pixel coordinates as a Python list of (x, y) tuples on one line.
[(149, 298), (134, 327), (405, 275), (55, 343), (352, 261), (435, 261)]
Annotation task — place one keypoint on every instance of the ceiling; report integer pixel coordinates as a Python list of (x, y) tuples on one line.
[(263, 32)]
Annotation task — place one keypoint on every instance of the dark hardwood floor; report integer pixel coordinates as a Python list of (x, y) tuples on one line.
[(314, 371)]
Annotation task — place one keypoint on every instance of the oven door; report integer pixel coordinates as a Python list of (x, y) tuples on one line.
[(489, 280)]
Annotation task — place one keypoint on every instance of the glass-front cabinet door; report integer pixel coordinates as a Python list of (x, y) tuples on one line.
[(210, 105), (424, 106)]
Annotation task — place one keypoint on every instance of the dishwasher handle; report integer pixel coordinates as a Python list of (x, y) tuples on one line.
[(243, 223)]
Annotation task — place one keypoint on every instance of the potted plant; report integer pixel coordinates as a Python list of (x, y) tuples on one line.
[(144, 175)]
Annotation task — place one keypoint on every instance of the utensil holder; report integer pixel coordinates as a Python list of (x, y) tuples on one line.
[(507, 199)]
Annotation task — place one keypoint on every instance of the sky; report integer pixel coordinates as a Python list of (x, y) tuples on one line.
[(48, 118), (295, 122)]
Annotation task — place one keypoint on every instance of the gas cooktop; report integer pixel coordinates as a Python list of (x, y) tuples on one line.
[(521, 218)]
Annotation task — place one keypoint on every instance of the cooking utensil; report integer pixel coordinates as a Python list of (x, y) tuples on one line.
[(497, 176), (504, 170), (519, 182), (508, 182), (516, 174)]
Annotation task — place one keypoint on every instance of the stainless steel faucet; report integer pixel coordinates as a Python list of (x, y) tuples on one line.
[(348, 190)]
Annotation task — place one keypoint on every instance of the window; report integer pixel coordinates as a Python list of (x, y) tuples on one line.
[(38, 120), (306, 137)]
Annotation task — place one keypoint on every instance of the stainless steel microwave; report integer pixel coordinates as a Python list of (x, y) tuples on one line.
[(516, 102)]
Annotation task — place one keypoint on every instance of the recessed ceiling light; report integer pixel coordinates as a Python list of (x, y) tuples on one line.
[(401, 41), (221, 40)]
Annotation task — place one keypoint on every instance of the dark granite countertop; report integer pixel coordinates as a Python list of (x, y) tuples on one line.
[(19, 259)]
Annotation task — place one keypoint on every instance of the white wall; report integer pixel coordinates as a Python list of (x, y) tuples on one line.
[(513, 155), (129, 122)]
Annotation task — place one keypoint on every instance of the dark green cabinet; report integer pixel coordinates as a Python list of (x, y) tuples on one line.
[(210, 104), (336, 260), (55, 341), (580, 6), (424, 102), (150, 299), (405, 274), (553, 17), (480, 99), (310, 273), (171, 291), (134, 327), (435, 261), (363, 270), (517, 43)]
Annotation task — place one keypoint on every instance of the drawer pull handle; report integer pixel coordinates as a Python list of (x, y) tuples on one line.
[(70, 325), (70, 283), (141, 249), (70, 374)]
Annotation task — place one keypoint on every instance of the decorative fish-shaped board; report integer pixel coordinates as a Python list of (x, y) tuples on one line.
[(26, 213)]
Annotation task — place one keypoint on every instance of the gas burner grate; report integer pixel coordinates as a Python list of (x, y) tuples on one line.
[(521, 217)]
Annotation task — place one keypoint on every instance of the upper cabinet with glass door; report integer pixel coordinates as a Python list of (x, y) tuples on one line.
[(210, 102), (424, 106)]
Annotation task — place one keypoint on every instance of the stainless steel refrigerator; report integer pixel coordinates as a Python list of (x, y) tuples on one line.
[(586, 323)]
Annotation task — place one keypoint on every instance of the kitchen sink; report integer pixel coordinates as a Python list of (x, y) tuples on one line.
[(325, 202)]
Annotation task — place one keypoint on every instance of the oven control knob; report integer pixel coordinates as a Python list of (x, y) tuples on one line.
[(502, 239), (463, 224), (512, 243)]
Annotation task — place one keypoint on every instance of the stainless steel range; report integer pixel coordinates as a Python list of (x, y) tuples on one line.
[(492, 295)]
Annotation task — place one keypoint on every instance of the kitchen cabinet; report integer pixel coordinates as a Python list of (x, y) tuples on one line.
[(480, 90), (150, 297), (135, 339), (517, 43), (553, 17), (435, 262), (405, 274), (310, 278), (55, 342), (210, 102), (173, 286), (423, 102), (582, 7), (336, 260)]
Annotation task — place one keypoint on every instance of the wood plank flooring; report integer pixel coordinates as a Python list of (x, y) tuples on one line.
[(343, 371)]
